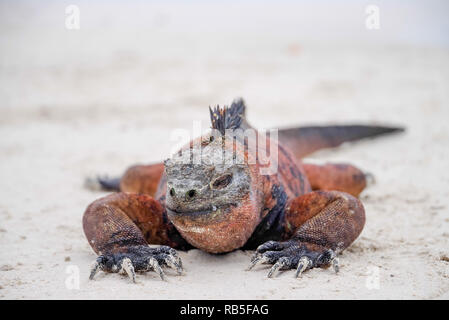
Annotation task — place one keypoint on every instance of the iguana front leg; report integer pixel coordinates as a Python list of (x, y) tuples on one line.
[(320, 225), (119, 228)]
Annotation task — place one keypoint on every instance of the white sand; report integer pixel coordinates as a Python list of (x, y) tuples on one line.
[(77, 103)]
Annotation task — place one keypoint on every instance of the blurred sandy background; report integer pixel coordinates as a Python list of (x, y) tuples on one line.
[(74, 103)]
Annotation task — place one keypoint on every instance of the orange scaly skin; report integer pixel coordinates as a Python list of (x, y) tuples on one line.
[(298, 218)]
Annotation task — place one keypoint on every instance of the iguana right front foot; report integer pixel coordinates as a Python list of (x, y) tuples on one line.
[(138, 258)]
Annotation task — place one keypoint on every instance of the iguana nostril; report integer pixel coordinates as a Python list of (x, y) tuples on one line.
[(191, 193), (172, 192)]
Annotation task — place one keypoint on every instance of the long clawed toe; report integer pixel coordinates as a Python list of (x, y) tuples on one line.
[(303, 264), (282, 263), (128, 268), (257, 259), (169, 257), (98, 263), (165, 256), (336, 265), (327, 258), (271, 246), (174, 262), (154, 265)]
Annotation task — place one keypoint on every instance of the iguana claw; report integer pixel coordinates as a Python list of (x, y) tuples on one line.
[(138, 258), (292, 255), (128, 268)]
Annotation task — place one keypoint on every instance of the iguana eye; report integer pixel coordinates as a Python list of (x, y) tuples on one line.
[(221, 182)]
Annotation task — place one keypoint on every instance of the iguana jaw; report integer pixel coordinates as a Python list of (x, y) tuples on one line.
[(228, 230)]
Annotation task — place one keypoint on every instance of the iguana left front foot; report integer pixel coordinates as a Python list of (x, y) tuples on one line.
[(292, 255), (333, 220)]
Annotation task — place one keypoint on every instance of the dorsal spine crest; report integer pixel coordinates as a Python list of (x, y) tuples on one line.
[(227, 117)]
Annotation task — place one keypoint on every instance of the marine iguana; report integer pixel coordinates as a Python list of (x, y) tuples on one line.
[(299, 217)]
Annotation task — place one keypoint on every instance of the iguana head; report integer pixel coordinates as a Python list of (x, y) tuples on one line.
[(212, 193)]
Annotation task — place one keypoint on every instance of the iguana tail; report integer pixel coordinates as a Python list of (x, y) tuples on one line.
[(305, 140), (102, 183), (138, 179)]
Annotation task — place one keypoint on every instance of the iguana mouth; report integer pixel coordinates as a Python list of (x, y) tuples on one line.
[(212, 210)]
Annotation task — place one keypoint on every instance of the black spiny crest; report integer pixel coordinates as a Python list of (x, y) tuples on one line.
[(227, 117)]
